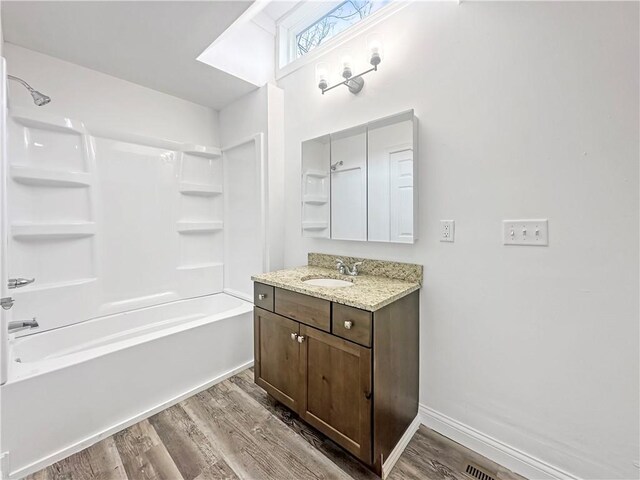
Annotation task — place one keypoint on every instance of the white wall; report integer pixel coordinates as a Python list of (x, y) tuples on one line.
[(244, 117), (275, 171), (103, 101), (527, 110), (1, 38), (261, 111)]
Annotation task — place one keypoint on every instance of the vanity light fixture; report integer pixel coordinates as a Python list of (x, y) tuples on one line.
[(353, 82)]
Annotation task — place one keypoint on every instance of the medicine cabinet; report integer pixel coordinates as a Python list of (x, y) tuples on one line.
[(361, 183)]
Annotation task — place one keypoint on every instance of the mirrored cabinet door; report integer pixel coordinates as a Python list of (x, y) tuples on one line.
[(391, 180), (349, 184), (359, 183)]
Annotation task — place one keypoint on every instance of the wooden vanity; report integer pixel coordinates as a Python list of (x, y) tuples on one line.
[(349, 372)]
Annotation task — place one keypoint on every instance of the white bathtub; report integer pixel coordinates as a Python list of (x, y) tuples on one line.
[(70, 387)]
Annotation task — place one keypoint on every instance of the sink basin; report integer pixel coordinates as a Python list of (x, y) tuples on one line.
[(328, 282)]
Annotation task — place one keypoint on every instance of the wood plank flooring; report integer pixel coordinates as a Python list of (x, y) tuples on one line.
[(234, 430)]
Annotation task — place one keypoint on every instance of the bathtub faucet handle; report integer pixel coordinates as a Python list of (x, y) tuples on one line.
[(19, 325), (19, 282)]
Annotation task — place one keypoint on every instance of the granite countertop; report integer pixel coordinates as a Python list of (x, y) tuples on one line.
[(369, 292)]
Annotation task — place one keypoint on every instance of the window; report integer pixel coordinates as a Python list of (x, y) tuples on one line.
[(333, 22), (314, 24)]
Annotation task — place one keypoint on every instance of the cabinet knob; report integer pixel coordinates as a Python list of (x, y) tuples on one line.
[(262, 296), (348, 324), (294, 336), (300, 338)]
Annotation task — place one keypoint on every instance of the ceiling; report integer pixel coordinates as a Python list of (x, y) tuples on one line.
[(276, 10), (151, 43)]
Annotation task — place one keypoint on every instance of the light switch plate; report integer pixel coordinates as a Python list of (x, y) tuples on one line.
[(447, 230), (526, 232)]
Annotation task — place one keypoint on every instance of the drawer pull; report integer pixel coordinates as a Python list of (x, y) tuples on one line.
[(348, 324), (294, 336), (262, 296), (300, 338)]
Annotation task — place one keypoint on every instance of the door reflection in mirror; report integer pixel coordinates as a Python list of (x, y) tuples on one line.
[(390, 165)]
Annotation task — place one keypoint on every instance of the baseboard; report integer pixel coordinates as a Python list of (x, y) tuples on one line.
[(507, 456), (87, 442), (400, 446)]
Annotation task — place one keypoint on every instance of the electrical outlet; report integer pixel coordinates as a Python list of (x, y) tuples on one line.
[(526, 232), (447, 230)]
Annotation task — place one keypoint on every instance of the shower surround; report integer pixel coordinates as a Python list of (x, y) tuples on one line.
[(125, 237), (108, 222)]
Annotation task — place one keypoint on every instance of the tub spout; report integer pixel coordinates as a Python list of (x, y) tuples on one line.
[(22, 325)]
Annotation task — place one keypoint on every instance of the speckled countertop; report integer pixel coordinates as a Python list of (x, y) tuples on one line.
[(369, 292)]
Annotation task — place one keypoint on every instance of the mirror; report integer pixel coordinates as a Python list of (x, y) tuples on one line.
[(348, 178), (316, 157), (359, 183), (391, 181)]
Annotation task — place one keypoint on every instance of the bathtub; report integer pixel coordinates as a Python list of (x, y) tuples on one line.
[(69, 388)]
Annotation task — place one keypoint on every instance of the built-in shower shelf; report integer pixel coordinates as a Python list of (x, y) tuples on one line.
[(34, 119), (201, 150), (200, 189), (315, 225), (199, 227), (199, 266), (38, 287), (42, 177), (58, 230), (316, 173), (315, 199)]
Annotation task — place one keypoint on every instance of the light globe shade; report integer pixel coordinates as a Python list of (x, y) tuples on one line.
[(374, 44), (322, 75), (346, 65)]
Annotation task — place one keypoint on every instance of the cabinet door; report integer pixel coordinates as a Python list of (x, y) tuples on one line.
[(277, 356), (335, 394)]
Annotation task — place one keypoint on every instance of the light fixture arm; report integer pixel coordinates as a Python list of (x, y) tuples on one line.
[(354, 83)]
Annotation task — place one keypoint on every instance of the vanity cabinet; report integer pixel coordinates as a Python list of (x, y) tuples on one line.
[(350, 373)]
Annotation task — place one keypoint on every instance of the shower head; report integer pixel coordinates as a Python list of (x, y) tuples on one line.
[(335, 166), (39, 99)]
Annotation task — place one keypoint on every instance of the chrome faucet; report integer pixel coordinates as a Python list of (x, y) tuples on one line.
[(19, 325), (345, 270)]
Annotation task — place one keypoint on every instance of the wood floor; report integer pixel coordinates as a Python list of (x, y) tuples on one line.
[(234, 430)]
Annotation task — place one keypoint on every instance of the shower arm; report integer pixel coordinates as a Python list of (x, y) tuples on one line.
[(19, 80), (39, 98)]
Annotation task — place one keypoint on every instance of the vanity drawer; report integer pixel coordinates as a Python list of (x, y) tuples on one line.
[(352, 324), (312, 311), (263, 296)]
